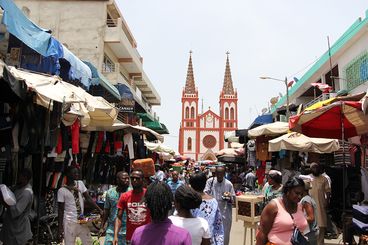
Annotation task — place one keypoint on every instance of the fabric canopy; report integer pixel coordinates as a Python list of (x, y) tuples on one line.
[(47, 87), (260, 120), (95, 110), (341, 119), (78, 69), (271, 129), (117, 125), (159, 148), (299, 142)]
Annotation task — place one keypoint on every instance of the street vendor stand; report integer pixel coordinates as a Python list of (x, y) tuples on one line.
[(248, 209)]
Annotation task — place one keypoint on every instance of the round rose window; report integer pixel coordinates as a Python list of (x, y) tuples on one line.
[(209, 141)]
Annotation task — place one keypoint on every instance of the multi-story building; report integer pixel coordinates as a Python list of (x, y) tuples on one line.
[(344, 68), (95, 31), (202, 134)]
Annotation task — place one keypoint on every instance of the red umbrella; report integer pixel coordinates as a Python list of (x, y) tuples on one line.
[(338, 120)]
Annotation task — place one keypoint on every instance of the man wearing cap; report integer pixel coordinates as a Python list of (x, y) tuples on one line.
[(320, 192), (274, 188)]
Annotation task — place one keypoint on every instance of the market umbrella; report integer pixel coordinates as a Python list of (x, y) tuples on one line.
[(338, 120), (271, 129), (159, 147), (299, 142)]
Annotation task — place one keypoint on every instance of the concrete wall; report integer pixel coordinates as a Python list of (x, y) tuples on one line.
[(78, 24)]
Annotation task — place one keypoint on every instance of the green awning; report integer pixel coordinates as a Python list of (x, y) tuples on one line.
[(146, 117), (99, 79), (164, 129), (157, 127)]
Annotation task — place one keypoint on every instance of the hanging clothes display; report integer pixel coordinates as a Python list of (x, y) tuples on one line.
[(262, 153), (251, 153), (128, 142)]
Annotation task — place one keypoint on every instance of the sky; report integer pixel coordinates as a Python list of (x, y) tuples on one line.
[(274, 38)]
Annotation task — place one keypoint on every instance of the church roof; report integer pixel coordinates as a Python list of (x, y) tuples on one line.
[(190, 84), (228, 87)]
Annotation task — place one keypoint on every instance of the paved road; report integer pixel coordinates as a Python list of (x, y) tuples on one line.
[(237, 234)]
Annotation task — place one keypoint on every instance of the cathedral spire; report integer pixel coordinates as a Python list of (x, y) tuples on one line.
[(228, 82), (189, 84)]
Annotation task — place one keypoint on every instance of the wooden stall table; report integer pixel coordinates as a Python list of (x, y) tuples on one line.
[(248, 209)]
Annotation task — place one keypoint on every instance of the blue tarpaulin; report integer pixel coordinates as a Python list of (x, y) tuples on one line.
[(99, 79), (260, 120), (25, 30), (124, 91), (78, 69)]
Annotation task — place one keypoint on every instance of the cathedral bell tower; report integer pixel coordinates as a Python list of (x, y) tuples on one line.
[(228, 105), (189, 116)]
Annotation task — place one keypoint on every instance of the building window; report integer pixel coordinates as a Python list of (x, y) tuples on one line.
[(226, 113), (192, 112), (186, 112), (232, 113), (108, 66), (189, 144)]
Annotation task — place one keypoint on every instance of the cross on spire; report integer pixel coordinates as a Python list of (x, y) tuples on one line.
[(190, 84), (228, 82)]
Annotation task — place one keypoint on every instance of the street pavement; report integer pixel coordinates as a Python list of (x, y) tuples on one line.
[(237, 234)]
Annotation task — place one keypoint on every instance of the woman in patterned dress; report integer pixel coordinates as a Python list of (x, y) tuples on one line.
[(209, 209)]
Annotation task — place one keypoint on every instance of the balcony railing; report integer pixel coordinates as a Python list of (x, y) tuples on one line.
[(109, 68), (121, 24), (320, 98), (112, 22)]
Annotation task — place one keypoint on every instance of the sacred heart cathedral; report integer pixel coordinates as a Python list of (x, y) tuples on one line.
[(202, 135)]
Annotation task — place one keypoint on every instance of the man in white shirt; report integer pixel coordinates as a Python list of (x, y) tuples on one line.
[(223, 190), (160, 175), (71, 208)]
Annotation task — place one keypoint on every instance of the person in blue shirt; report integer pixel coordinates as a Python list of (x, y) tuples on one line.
[(111, 210), (174, 182)]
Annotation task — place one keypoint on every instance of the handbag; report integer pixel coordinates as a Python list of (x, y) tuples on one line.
[(297, 238)]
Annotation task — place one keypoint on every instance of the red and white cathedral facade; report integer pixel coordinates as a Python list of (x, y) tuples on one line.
[(202, 135)]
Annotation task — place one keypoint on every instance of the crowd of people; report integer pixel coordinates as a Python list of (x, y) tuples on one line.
[(167, 211), (301, 203), (195, 210)]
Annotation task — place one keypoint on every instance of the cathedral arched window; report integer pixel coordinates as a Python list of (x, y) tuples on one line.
[(192, 112), (226, 113), (186, 112), (232, 113), (189, 145)]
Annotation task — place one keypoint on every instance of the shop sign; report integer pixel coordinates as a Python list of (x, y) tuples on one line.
[(126, 105), (357, 71)]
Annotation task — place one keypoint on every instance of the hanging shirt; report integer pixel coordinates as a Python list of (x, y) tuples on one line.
[(128, 141)]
